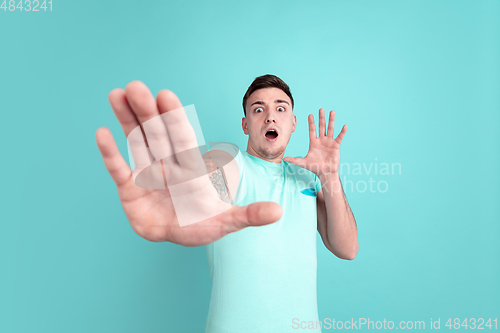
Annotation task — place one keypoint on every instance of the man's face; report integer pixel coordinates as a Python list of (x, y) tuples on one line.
[(268, 108)]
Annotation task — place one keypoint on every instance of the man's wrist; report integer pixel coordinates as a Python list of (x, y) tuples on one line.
[(330, 182)]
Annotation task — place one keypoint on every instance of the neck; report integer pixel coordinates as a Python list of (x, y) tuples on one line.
[(276, 159)]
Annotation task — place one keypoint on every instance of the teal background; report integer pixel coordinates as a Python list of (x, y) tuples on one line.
[(417, 82)]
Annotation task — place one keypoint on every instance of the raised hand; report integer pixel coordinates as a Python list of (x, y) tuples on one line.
[(323, 157), (181, 191)]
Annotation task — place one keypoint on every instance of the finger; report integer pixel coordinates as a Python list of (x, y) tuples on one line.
[(331, 124), (146, 111), (294, 160), (341, 134), (253, 215), (141, 101), (322, 130), (122, 110), (181, 134), (232, 220), (159, 141), (131, 128), (113, 160), (312, 128)]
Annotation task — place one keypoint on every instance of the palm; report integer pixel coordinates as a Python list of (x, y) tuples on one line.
[(323, 157), (188, 211), (152, 215)]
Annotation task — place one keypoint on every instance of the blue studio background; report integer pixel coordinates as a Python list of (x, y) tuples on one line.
[(417, 82)]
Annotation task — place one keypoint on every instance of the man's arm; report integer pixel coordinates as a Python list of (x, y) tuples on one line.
[(157, 128), (336, 223)]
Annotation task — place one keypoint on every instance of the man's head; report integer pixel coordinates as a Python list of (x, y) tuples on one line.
[(268, 104)]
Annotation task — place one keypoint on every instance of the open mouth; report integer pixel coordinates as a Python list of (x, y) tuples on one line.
[(271, 135)]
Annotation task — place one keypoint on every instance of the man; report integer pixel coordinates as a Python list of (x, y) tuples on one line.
[(263, 279)]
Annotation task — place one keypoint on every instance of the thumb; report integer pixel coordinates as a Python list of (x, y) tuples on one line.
[(294, 160), (253, 215)]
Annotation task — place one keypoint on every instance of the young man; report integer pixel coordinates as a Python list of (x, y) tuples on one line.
[(263, 279)]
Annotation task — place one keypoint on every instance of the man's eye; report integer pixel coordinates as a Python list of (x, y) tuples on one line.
[(282, 108), (257, 110)]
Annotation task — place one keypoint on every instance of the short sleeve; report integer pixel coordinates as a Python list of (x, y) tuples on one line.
[(229, 148), (318, 183)]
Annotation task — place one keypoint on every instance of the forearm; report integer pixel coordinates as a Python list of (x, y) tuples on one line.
[(341, 225)]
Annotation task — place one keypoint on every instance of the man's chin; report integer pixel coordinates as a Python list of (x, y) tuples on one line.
[(270, 153)]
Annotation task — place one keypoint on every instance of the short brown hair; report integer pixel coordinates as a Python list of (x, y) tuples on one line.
[(266, 81)]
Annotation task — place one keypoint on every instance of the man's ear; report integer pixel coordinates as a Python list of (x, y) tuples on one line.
[(294, 123), (244, 125)]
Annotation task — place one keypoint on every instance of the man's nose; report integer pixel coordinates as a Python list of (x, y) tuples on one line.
[(270, 118)]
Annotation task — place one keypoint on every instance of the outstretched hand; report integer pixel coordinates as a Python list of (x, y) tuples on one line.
[(172, 144), (323, 157)]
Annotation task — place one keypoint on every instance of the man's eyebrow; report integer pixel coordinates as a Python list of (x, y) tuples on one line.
[(281, 101), (257, 102), (276, 101)]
